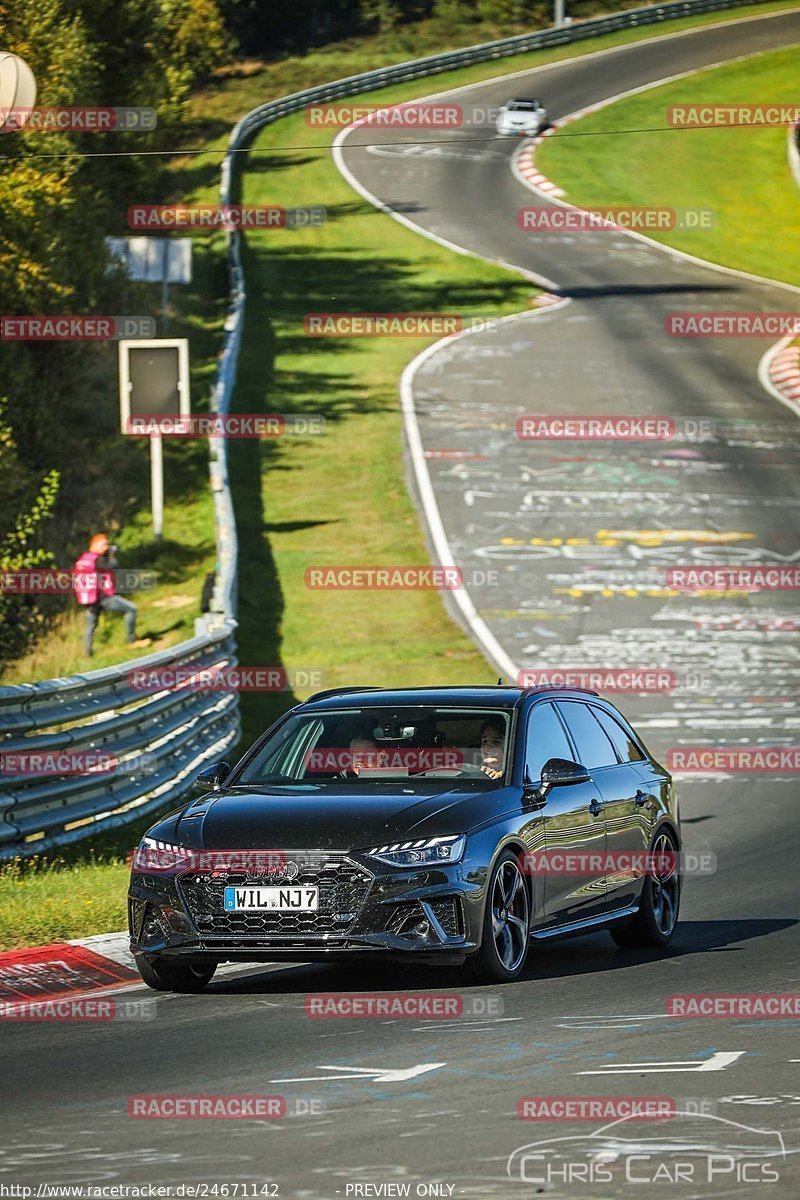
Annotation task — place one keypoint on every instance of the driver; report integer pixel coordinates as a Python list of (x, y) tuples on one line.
[(363, 755), (493, 744)]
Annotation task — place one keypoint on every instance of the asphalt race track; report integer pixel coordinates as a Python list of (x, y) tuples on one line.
[(434, 1102)]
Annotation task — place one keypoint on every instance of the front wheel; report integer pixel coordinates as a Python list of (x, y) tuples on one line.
[(506, 925), (654, 923), (164, 976)]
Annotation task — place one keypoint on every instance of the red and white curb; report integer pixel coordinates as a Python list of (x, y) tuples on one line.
[(528, 169), (66, 970), (101, 965), (524, 164), (784, 373), (546, 300)]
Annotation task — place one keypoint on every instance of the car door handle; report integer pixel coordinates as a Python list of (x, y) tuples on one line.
[(595, 807), (642, 798)]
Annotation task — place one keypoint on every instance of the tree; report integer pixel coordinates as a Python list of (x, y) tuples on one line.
[(57, 204), (381, 15), (504, 12), (24, 513)]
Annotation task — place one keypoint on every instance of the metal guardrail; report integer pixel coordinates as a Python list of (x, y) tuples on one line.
[(485, 52), (225, 599), (152, 744), (793, 151), (160, 741)]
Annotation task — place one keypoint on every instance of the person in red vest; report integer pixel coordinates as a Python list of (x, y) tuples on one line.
[(95, 589)]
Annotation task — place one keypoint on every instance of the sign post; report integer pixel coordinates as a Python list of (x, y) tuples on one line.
[(153, 384), (157, 485)]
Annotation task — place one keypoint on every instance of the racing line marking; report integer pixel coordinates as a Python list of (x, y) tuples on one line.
[(368, 1074), (719, 1060)]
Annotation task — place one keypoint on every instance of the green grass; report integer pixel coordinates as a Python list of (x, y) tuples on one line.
[(341, 497), (60, 901), (742, 174), (299, 502)]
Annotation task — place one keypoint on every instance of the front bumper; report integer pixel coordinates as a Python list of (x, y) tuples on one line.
[(365, 908), (519, 130)]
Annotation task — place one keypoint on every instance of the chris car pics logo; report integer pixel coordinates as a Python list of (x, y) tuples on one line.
[(697, 1150)]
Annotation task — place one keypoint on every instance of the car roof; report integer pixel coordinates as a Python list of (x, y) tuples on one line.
[(500, 696)]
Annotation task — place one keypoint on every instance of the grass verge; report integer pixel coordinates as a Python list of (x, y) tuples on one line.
[(741, 174), (58, 900)]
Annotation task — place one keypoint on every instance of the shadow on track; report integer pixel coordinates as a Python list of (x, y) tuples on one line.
[(641, 289), (563, 960)]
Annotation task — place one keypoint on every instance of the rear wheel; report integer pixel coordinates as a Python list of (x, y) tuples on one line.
[(654, 923), (506, 925), (164, 976)]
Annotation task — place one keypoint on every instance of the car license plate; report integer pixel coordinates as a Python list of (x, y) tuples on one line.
[(263, 899)]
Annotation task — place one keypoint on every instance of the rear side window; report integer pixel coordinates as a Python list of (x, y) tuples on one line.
[(546, 739), (625, 745), (593, 745)]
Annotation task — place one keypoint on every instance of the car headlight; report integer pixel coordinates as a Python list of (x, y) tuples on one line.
[(427, 852), (152, 856)]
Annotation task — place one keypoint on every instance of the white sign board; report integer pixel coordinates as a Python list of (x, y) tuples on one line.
[(153, 259)]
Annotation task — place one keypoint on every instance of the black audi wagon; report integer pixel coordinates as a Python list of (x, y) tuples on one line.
[(450, 825)]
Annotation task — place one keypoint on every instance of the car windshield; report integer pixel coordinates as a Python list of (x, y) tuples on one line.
[(523, 105), (365, 747)]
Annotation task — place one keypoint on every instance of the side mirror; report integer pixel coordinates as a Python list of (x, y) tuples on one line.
[(556, 772), (213, 777)]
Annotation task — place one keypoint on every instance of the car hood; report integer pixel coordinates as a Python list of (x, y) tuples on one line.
[(326, 818)]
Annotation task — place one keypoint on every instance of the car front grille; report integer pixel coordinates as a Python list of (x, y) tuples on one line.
[(343, 888)]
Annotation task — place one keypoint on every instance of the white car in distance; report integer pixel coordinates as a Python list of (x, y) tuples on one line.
[(523, 117)]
